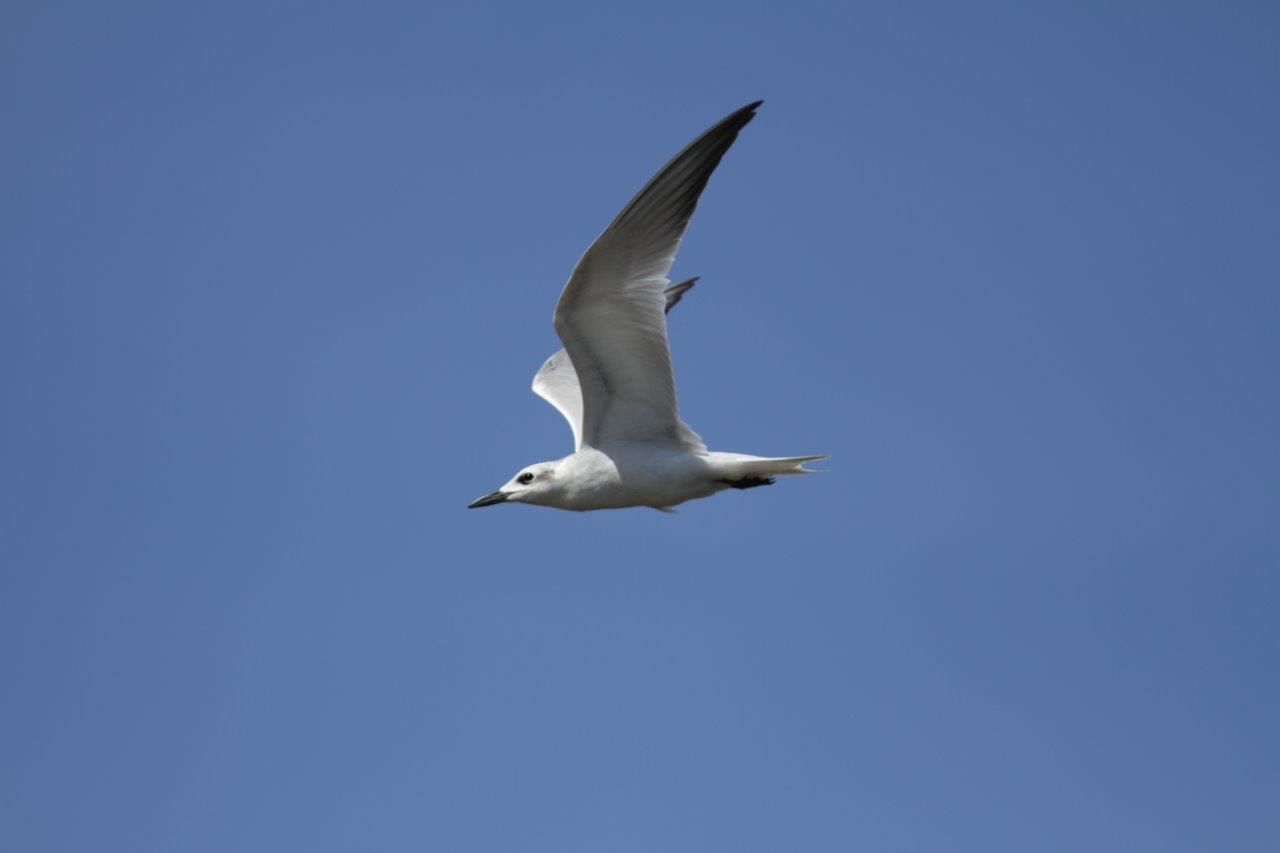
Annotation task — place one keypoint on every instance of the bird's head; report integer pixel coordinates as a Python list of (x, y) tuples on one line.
[(532, 484)]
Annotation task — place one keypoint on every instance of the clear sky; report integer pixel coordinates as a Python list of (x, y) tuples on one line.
[(275, 279)]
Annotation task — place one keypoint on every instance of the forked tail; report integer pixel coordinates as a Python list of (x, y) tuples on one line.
[(733, 467)]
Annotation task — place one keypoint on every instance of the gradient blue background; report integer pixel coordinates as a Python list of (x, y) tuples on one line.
[(275, 280)]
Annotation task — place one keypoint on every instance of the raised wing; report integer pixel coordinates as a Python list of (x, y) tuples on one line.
[(557, 381), (611, 314)]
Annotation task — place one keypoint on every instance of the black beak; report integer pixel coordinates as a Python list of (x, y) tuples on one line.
[(489, 499)]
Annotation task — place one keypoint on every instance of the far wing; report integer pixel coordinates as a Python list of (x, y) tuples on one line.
[(557, 381)]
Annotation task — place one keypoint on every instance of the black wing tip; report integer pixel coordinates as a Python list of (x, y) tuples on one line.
[(732, 123), (686, 175), (676, 292), (742, 115)]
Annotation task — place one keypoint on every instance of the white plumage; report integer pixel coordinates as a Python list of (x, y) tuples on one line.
[(613, 380)]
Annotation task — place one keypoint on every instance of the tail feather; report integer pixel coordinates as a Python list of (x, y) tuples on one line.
[(735, 466)]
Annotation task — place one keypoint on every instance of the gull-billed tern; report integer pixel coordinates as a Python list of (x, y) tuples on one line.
[(613, 381)]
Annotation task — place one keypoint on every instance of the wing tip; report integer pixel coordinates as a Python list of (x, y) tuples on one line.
[(676, 292), (743, 115)]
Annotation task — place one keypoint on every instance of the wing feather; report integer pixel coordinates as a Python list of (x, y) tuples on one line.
[(611, 315), (557, 381)]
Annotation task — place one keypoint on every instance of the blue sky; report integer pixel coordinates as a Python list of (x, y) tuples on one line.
[(274, 285)]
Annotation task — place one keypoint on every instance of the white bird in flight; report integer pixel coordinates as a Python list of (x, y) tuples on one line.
[(613, 381)]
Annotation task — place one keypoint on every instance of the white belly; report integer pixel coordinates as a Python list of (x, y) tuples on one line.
[(636, 475)]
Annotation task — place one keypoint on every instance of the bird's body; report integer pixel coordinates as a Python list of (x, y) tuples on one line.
[(613, 380), (654, 474)]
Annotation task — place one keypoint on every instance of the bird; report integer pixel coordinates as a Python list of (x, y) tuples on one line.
[(613, 380)]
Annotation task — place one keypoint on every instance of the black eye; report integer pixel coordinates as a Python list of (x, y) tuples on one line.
[(526, 477)]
